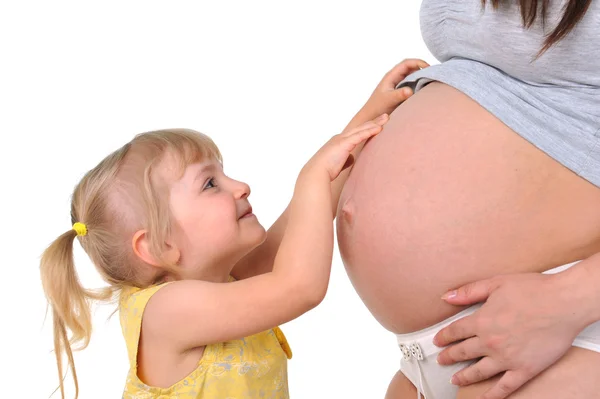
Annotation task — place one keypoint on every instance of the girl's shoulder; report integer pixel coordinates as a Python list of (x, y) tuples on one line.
[(133, 301), (132, 304), (135, 296)]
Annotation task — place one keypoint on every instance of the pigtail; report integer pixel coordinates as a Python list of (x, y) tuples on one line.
[(108, 199), (69, 302)]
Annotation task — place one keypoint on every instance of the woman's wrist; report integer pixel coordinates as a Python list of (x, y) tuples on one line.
[(580, 286)]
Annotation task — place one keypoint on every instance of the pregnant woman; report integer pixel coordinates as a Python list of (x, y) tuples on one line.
[(487, 180)]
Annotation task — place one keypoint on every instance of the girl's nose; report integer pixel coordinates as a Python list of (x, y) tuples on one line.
[(242, 190)]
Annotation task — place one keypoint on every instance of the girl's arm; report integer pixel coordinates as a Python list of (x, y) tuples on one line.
[(384, 99), (191, 313)]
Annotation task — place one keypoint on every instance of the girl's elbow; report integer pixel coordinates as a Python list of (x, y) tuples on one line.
[(313, 295)]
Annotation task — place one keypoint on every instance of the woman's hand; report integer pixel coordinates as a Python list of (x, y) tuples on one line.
[(385, 98), (527, 323)]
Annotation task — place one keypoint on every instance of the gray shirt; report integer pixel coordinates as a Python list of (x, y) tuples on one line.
[(552, 101)]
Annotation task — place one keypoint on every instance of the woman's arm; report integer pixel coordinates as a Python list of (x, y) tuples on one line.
[(527, 323), (384, 99)]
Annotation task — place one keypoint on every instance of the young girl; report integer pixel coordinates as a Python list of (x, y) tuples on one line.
[(202, 287)]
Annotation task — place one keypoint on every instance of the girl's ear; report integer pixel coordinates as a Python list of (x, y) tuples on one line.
[(141, 248)]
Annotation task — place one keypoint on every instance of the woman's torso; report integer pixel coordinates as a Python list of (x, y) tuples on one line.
[(449, 194)]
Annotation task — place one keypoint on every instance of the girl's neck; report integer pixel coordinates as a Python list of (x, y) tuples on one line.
[(215, 275)]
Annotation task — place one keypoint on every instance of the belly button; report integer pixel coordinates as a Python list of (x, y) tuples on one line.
[(348, 211)]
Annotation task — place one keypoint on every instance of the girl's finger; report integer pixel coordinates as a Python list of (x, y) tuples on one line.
[(422, 64), (359, 128), (401, 70), (379, 121), (403, 93), (363, 135)]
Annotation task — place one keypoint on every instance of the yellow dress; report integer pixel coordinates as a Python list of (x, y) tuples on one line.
[(248, 368)]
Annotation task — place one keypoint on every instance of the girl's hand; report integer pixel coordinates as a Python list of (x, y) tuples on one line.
[(386, 97), (335, 155), (527, 323)]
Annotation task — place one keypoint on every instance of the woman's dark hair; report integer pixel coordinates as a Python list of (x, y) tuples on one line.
[(573, 12)]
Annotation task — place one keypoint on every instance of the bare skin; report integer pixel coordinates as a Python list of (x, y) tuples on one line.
[(400, 387), (575, 376), (446, 195)]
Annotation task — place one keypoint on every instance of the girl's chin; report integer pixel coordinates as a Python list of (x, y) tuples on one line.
[(261, 235)]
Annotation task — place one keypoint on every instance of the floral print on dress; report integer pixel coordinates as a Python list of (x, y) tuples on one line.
[(249, 368)]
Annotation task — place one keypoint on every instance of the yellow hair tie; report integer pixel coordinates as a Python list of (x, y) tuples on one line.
[(80, 228)]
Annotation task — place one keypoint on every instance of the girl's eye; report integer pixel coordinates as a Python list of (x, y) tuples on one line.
[(210, 183)]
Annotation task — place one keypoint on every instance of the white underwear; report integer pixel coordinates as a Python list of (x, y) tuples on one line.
[(418, 362)]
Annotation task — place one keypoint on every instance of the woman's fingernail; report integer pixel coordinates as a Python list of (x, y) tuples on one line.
[(407, 91), (449, 295), (380, 118), (453, 380)]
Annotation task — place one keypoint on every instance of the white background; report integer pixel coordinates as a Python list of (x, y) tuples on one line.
[(270, 81)]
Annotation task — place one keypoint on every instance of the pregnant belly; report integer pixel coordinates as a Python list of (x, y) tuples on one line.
[(447, 194)]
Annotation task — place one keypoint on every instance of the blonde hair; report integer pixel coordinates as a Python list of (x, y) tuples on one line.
[(118, 197)]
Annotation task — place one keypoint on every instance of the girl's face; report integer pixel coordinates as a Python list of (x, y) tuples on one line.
[(214, 226)]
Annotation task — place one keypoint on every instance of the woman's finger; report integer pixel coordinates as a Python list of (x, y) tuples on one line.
[(458, 330), (466, 350), (469, 294), (480, 371), (510, 382)]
